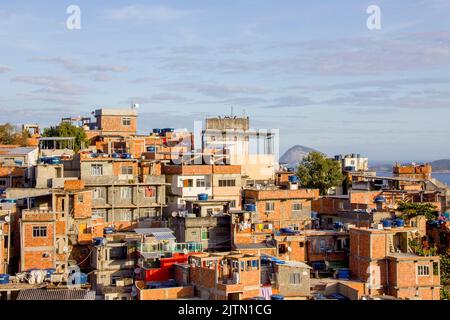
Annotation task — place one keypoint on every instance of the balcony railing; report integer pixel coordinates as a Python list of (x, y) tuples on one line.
[(162, 249)]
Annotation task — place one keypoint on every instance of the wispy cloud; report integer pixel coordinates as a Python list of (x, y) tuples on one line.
[(4, 68), (76, 67), (142, 13), (217, 90)]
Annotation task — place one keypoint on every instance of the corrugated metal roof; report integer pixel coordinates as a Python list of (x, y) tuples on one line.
[(58, 294), (164, 236), (20, 151), (150, 231)]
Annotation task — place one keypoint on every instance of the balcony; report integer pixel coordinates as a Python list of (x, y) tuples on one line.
[(161, 249)]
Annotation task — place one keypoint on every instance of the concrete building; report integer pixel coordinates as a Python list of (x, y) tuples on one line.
[(207, 222), (253, 150), (288, 278), (219, 182), (353, 162), (125, 192)]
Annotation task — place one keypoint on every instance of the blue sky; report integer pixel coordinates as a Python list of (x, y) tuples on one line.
[(309, 68)]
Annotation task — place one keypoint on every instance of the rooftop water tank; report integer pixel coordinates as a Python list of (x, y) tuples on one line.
[(151, 149), (126, 156), (202, 197), (250, 207), (4, 278), (344, 274), (50, 271), (338, 225), (116, 155), (387, 223), (399, 223), (293, 179), (83, 278), (108, 230), (380, 199), (99, 241), (277, 297)]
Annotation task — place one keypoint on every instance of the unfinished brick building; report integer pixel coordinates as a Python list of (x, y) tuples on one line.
[(225, 277), (384, 260)]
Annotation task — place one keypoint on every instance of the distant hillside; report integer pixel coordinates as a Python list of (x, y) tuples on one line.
[(442, 165), (295, 155)]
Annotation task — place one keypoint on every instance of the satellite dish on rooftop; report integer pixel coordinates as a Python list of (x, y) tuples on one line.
[(135, 106), (174, 214)]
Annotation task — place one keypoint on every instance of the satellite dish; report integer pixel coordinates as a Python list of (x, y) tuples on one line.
[(7, 219), (174, 214), (1, 232)]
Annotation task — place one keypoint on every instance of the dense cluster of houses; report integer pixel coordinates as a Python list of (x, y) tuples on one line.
[(172, 216)]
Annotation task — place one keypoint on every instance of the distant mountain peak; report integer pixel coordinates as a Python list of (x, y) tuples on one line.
[(295, 155)]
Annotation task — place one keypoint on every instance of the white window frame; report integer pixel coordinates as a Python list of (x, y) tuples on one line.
[(96, 170), (423, 270), (126, 121), (126, 194)]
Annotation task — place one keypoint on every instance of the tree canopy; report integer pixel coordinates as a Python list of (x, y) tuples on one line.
[(410, 210), (66, 129), (319, 172), (10, 134)]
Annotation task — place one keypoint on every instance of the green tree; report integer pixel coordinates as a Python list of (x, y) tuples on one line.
[(318, 172), (66, 129), (410, 210)]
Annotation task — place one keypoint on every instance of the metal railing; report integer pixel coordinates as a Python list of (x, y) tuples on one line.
[(162, 248)]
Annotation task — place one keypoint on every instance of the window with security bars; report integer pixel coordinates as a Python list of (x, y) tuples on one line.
[(125, 192), (126, 122), (39, 232), (423, 270), (270, 206), (227, 183), (127, 170), (297, 207), (96, 170), (99, 193)]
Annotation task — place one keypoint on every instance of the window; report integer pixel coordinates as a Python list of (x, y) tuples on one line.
[(270, 206), (39, 232), (423, 270), (148, 213), (126, 122), (201, 183), (128, 170), (205, 234), (99, 193), (301, 244), (188, 183), (227, 183), (233, 204), (124, 215), (294, 278), (99, 212), (80, 198), (297, 207), (125, 192), (2, 183), (282, 249), (435, 268), (96, 170)]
